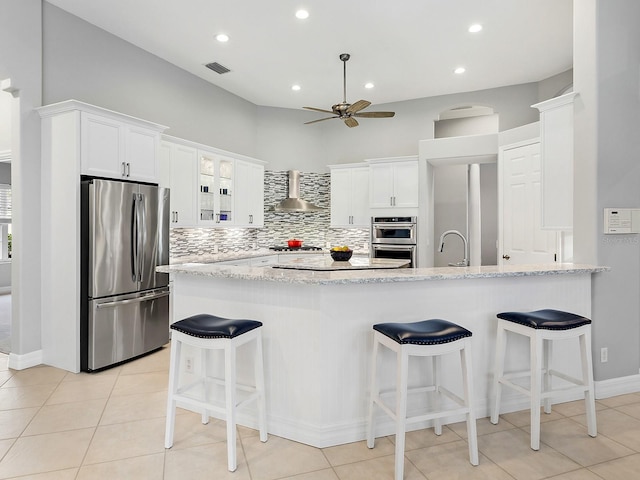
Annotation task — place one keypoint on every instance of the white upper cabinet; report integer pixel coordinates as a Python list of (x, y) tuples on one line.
[(393, 183), (217, 193), (350, 196), (142, 159), (102, 146), (556, 143), (211, 187), (249, 188), (179, 172), (114, 148)]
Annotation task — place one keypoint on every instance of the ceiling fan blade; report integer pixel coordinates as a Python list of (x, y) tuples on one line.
[(374, 114), (359, 105), (318, 109), (351, 122), (319, 120)]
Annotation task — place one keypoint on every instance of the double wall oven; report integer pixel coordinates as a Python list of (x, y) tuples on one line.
[(394, 237)]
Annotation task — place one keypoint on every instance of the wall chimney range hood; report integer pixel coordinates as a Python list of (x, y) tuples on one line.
[(294, 203)]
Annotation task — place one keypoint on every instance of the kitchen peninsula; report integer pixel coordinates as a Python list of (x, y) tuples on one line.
[(317, 330)]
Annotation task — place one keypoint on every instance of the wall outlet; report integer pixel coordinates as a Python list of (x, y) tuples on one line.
[(604, 355), (188, 364)]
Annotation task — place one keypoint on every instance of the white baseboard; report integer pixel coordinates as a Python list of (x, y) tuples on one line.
[(27, 360), (617, 386)]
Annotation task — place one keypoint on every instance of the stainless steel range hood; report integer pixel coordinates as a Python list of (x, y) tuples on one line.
[(294, 203)]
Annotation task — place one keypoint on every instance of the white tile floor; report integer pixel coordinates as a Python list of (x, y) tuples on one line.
[(110, 425)]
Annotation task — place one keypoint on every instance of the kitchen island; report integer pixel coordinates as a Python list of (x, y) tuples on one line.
[(318, 335)]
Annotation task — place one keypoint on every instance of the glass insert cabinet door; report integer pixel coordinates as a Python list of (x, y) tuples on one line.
[(216, 190)]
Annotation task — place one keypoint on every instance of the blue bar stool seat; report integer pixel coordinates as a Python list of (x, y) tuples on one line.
[(208, 332), (542, 327), (428, 338)]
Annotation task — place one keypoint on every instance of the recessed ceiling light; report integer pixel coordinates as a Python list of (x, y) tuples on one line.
[(222, 38), (369, 85), (475, 28), (295, 88), (460, 70), (302, 14)]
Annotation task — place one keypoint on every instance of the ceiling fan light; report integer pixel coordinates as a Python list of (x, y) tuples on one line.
[(302, 14), (222, 38)]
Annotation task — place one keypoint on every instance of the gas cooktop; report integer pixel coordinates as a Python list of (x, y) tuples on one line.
[(285, 248)]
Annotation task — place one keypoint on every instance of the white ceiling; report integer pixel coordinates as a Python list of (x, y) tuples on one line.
[(407, 48)]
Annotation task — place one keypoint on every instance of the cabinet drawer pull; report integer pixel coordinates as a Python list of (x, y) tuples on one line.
[(123, 169)]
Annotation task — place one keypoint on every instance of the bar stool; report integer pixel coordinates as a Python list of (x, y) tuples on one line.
[(542, 327), (428, 338), (208, 332)]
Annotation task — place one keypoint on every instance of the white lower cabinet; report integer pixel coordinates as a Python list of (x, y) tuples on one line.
[(350, 196)]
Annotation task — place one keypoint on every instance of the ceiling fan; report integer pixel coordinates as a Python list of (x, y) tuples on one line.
[(347, 111)]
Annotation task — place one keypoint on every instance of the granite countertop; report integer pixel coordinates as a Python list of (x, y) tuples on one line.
[(267, 273), (260, 252)]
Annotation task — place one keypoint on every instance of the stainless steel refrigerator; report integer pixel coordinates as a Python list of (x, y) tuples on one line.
[(125, 302)]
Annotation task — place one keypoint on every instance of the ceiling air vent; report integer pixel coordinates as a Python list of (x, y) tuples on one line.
[(216, 67)]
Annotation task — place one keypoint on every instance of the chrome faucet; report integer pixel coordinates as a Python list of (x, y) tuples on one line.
[(464, 262)]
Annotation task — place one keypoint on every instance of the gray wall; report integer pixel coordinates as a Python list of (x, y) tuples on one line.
[(607, 55), (455, 127), (88, 64)]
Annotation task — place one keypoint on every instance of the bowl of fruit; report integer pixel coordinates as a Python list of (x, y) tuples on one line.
[(341, 254)]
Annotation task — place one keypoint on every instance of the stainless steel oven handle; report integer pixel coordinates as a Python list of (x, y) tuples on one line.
[(132, 300), (394, 226), (388, 246)]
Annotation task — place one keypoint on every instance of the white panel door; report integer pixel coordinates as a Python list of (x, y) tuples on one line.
[(142, 161), (381, 185), (523, 240), (360, 213), (183, 180), (102, 147), (405, 184), (341, 197), (249, 194)]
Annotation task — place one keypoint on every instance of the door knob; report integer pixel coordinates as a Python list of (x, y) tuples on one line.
[(506, 257)]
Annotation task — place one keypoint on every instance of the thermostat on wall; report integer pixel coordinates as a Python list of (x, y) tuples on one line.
[(622, 220)]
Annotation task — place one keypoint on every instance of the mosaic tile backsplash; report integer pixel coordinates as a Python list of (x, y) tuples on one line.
[(313, 227)]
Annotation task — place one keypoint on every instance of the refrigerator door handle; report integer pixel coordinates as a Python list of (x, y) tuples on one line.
[(132, 300), (134, 239), (142, 236)]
